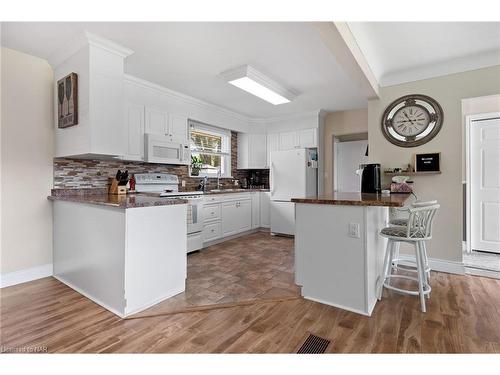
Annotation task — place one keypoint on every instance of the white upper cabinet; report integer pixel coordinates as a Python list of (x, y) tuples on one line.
[(156, 121), (289, 141), (252, 151), (178, 127), (134, 120), (273, 144), (308, 138)]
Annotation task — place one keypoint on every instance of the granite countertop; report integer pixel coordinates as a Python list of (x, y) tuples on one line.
[(230, 191), (100, 197), (356, 199)]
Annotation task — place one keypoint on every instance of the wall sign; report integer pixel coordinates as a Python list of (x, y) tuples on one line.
[(67, 101), (428, 162)]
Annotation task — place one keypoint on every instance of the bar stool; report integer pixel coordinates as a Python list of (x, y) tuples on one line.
[(417, 231), (404, 222)]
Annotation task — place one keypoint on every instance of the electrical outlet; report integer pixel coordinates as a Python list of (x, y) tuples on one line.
[(183, 183), (354, 230)]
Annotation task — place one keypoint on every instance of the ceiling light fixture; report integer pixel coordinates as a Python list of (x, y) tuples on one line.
[(254, 82)]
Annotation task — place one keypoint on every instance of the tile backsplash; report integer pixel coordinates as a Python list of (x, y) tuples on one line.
[(95, 173)]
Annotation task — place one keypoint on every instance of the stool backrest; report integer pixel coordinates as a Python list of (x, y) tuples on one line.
[(423, 203), (420, 221)]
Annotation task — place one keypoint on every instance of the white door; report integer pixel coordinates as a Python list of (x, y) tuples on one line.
[(257, 150), (230, 222), (265, 207), (349, 156), (288, 141), (288, 174), (178, 127), (255, 210), (134, 117), (156, 121), (283, 217), (244, 215), (485, 185), (273, 144)]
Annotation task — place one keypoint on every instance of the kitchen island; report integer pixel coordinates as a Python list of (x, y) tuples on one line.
[(126, 253), (338, 251)]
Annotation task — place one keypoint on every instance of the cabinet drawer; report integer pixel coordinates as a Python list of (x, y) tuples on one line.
[(211, 232), (211, 212)]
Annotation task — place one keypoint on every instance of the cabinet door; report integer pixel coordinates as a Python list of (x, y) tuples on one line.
[(134, 120), (244, 219), (273, 144), (255, 210), (257, 149), (265, 209), (243, 160), (178, 127), (288, 141), (156, 121), (230, 222), (308, 138)]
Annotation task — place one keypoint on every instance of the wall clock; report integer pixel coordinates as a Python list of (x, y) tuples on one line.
[(412, 120)]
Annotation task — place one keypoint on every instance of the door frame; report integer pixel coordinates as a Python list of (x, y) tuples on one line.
[(468, 130)]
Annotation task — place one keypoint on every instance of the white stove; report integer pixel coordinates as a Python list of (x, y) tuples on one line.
[(167, 186)]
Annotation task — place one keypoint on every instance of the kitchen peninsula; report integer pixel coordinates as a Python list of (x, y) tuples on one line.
[(125, 253), (338, 251)]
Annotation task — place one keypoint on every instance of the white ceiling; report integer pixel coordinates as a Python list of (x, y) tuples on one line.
[(407, 51), (188, 57)]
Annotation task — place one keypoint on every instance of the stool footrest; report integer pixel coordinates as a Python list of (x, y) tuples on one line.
[(427, 287)]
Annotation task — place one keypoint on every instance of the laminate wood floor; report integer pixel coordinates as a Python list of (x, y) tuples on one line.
[(254, 267), (463, 316)]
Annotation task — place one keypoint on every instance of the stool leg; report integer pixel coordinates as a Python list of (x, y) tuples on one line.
[(395, 255), (421, 275), (426, 259), (385, 268), (423, 258)]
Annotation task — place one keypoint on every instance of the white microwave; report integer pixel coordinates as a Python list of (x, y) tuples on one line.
[(161, 149)]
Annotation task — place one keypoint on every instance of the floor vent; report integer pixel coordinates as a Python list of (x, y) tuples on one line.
[(314, 345)]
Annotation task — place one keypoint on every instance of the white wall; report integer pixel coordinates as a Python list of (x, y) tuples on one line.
[(27, 150), (446, 187), (339, 123)]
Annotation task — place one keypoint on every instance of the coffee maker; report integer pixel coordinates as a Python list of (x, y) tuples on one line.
[(370, 179)]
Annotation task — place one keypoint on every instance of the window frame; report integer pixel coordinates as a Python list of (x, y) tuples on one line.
[(225, 153)]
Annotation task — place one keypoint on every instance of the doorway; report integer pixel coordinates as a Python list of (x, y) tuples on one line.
[(350, 153), (483, 192)]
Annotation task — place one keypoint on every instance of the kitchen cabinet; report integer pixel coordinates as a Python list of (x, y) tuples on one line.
[(134, 121), (288, 140), (255, 210), (251, 151), (159, 121), (273, 144), (156, 121), (308, 138), (236, 217), (265, 209), (211, 231)]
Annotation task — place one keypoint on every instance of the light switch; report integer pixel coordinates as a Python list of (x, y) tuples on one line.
[(353, 230), (183, 183)]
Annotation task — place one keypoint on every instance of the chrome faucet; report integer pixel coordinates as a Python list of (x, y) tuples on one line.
[(204, 183)]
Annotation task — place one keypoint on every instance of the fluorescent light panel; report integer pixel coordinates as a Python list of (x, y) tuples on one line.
[(256, 83)]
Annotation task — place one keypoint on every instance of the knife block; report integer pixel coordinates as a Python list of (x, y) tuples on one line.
[(116, 189)]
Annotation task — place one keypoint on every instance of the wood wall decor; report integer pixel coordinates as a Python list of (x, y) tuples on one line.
[(67, 101)]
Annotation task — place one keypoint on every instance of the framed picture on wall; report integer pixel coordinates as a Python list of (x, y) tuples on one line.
[(67, 101)]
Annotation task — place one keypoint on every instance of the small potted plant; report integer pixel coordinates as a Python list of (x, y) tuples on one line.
[(196, 165)]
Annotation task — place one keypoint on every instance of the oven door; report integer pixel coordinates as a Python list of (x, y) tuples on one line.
[(160, 149)]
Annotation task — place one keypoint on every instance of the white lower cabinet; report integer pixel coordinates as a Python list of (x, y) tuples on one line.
[(230, 214), (265, 209), (236, 217)]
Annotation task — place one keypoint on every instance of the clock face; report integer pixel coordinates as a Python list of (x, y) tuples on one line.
[(412, 120)]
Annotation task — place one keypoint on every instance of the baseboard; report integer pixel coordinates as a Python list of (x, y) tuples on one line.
[(480, 272), (23, 276), (339, 306), (224, 239), (440, 265)]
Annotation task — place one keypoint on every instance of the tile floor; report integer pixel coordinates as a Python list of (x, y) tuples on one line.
[(254, 267)]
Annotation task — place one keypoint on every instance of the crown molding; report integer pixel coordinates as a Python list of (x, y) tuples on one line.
[(83, 40), (444, 68)]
